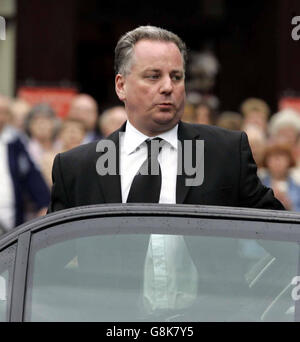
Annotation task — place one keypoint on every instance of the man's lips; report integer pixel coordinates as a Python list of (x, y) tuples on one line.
[(165, 105)]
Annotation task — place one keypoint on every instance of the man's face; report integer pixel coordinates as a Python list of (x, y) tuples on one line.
[(256, 118), (72, 134), (84, 109), (153, 91)]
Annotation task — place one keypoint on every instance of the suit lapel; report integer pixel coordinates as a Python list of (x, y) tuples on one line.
[(185, 132), (111, 184)]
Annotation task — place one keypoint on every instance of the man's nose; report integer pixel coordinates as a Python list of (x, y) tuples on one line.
[(166, 85)]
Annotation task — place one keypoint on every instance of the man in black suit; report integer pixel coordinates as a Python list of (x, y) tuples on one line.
[(194, 164), (150, 70)]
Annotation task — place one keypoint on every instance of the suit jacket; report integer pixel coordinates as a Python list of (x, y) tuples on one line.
[(230, 177)]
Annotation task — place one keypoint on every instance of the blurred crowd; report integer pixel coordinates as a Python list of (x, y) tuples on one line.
[(31, 136), (274, 141)]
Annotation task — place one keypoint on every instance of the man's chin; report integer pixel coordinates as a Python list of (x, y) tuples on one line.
[(165, 125), (165, 118)]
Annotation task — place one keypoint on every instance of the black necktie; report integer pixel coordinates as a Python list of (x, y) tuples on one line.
[(146, 184)]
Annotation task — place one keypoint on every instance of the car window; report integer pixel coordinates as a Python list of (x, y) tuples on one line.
[(7, 258), (244, 279), (85, 273), (87, 279)]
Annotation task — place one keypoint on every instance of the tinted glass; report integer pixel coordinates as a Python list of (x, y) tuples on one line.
[(244, 280), (7, 258), (93, 278), (82, 275)]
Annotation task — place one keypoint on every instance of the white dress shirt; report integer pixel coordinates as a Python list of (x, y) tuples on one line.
[(170, 280)]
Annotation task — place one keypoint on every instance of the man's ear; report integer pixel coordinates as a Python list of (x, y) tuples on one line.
[(120, 86)]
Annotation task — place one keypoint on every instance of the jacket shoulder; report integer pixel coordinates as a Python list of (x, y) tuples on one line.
[(212, 133), (79, 153), (215, 130)]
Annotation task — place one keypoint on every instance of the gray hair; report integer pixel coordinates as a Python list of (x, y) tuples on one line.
[(40, 110), (125, 45), (285, 118)]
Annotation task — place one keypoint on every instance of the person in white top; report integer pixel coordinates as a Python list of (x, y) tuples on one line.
[(18, 175)]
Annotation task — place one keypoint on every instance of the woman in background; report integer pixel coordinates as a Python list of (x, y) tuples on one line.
[(278, 161)]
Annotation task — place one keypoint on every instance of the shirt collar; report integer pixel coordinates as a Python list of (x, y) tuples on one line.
[(133, 138)]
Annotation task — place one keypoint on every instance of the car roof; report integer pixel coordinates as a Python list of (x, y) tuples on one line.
[(177, 210)]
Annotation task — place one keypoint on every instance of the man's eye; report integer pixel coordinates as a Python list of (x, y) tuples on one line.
[(153, 77), (177, 77)]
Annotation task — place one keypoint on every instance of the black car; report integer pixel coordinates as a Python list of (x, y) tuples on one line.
[(139, 263)]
